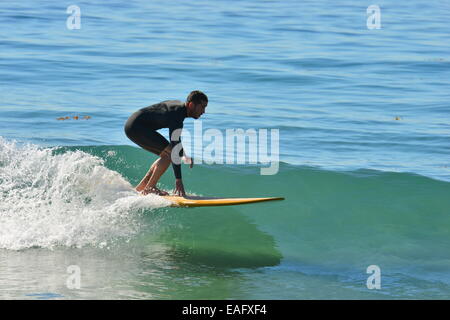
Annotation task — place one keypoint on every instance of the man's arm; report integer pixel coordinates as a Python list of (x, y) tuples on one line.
[(177, 150), (177, 153)]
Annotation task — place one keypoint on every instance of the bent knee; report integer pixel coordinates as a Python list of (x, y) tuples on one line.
[(165, 155)]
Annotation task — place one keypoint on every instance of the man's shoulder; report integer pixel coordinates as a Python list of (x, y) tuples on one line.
[(165, 106), (173, 104), (176, 108)]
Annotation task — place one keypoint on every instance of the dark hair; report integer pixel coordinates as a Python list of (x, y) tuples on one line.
[(197, 97)]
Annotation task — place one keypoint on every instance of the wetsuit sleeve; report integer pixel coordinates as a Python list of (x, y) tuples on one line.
[(176, 167)]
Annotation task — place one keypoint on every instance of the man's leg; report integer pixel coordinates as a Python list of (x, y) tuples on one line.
[(146, 178), (158, 168), (154, 142)]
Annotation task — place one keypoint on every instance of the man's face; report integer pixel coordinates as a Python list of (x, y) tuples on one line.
[(199, 109)]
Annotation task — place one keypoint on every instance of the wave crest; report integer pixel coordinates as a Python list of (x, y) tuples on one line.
[(70, 199)]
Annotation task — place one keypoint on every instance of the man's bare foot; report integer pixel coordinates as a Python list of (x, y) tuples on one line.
[(154, 190)]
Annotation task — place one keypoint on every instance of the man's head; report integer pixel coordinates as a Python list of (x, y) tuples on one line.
[(196, 103)]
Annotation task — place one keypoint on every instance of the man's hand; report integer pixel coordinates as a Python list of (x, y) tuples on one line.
[(189, 161), (179, 188)]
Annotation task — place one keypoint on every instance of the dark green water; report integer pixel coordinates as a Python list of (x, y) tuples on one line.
[(76, 206)]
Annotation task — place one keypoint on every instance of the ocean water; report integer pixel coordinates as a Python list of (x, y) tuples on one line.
[(364, 149)]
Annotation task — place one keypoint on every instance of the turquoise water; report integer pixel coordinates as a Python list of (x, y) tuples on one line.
[(364, 146)]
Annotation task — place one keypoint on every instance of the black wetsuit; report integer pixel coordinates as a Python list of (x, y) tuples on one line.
[(142, 125)]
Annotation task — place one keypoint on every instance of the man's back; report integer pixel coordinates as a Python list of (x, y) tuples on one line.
[(166, 114)]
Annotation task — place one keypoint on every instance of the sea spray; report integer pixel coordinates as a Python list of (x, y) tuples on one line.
[(67, 199)]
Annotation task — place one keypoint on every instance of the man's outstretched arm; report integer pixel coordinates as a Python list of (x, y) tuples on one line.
[(176, 155)]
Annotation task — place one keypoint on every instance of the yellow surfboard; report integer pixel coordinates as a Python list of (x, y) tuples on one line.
[(194, 201)]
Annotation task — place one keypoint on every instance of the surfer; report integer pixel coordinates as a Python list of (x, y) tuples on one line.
[(141, 129)]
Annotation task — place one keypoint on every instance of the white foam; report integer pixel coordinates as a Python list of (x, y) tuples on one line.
[(68, 199)]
